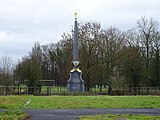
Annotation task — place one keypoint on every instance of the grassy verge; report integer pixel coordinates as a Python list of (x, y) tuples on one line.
[(65, 102), (74, 102), (119, 117), (12, 101), (12, 114)]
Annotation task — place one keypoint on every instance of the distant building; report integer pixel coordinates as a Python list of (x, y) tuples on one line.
[(43, 82)]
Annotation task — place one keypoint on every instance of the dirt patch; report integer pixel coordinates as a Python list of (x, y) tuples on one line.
[(28, 117)]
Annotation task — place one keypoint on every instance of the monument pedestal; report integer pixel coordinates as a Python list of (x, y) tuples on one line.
[(75, 83)]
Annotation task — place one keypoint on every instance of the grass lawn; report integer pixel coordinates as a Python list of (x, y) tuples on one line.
[(12, 114), (119, 117), (73, 102), (65, 102), (12, 101)]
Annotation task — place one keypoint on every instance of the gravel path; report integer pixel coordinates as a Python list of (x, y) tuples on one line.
[(72, 114)]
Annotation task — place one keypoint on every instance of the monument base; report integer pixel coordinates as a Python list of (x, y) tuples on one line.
[(75, 83)]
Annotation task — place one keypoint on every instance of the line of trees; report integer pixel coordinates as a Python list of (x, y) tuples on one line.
[(107, 57)]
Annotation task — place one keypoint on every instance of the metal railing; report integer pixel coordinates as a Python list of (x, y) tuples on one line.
[(61, 90)]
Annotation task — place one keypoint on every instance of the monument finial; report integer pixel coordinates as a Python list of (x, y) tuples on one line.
[(75, 14)]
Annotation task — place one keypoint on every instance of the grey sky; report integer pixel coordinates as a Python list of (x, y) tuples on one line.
[(23, 22)]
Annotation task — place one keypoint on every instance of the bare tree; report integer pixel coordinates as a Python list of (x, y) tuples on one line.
[(6, 72), (146, 30)]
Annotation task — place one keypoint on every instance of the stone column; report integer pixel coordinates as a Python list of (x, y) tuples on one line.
[(75, 83), (75, 45)]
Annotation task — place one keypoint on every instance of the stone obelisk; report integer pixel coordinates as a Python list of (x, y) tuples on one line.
[(75, 83)]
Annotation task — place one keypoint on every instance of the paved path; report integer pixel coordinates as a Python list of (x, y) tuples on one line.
[(1, 110), (72, 114)]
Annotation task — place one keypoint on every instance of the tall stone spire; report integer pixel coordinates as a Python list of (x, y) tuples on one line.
[(75, 46), (75, 83)]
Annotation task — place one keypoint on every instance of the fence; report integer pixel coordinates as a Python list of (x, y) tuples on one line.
[(46, 90), (61, 90), (137, 91)]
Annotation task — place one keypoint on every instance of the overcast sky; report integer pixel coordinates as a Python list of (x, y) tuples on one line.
[(23, 22)]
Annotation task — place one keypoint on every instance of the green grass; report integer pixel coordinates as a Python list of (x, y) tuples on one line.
[(73, 102), (12, 114), (65, 102), (12, 101), (119, 117), (95, 102)]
